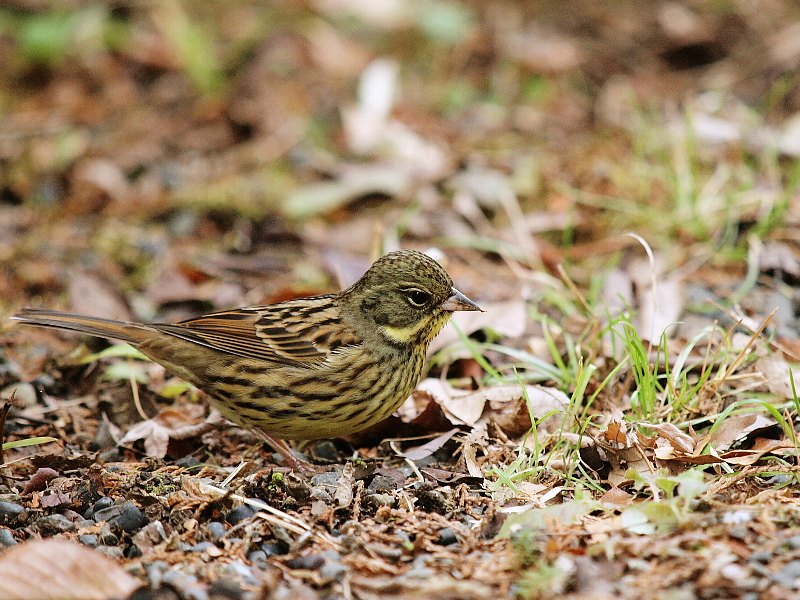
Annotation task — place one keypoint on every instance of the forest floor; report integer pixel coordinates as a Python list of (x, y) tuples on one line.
[(618, 188)]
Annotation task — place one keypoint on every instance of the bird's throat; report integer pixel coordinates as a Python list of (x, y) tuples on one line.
[(422, 331)]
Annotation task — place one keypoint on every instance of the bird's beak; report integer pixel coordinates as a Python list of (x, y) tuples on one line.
[(458, 301)]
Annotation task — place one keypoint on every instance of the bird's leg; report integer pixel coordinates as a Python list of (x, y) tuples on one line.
[(216, 419), (282, 448)]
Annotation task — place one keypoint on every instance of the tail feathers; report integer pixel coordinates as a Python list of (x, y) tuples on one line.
[(105, 328)]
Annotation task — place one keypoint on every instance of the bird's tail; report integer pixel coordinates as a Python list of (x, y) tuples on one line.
[(105, 328)]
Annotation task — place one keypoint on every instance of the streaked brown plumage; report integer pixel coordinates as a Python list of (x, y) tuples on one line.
[(311, 368)]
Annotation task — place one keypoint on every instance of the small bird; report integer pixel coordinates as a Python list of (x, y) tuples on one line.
[(319, 367)]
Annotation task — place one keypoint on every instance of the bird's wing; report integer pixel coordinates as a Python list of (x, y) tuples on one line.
[(297, 332)]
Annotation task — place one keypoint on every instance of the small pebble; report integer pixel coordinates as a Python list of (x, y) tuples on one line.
[(406, 471), (332, 571), (73, 517), (762, 557), (381, 484), (390, 552), (378, 500), (150, 535), (10, 511), (187, 462), (793, 542), (188, 585), (273, 548), (238, 570), (104, 502), (6, 538), (125, 516), (788, 575), (239, 514), (51, 525), (329, 478), (447, 537), (432, 501), (325, 450), (225, 589), (112, 552), (760, 570), (107, 537), (216, 529), (309, 562), (88, 539), (738, 532), (258, 558), (201, 547), (420, 568)]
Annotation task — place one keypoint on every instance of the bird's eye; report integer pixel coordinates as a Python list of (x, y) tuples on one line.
[(417, 297)]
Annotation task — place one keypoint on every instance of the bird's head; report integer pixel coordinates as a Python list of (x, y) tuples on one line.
[(407, 296)]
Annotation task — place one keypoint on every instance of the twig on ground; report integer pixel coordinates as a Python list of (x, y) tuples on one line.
[(3, 414)]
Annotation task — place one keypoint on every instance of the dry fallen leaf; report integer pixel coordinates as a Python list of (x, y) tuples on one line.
[(738, 427), (462, 407), (761, 447), (424, 451), (617, 434), (91, 295), (679, 440), (616, 498), (778, 256), (542, 50), (776, 375), (510, 411), (57, 569), (506, 403), (168, 424)]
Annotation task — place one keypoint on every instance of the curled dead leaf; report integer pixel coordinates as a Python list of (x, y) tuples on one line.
[(738, 427), (50, 569), (167, 425), (760, 448), (617, 434), (777, 378), (424, 451), (679, 440), (462, 407), (616, 498), (507, 405)]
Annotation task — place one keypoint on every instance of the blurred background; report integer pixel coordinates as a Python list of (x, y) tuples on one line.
[(161, 158)]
